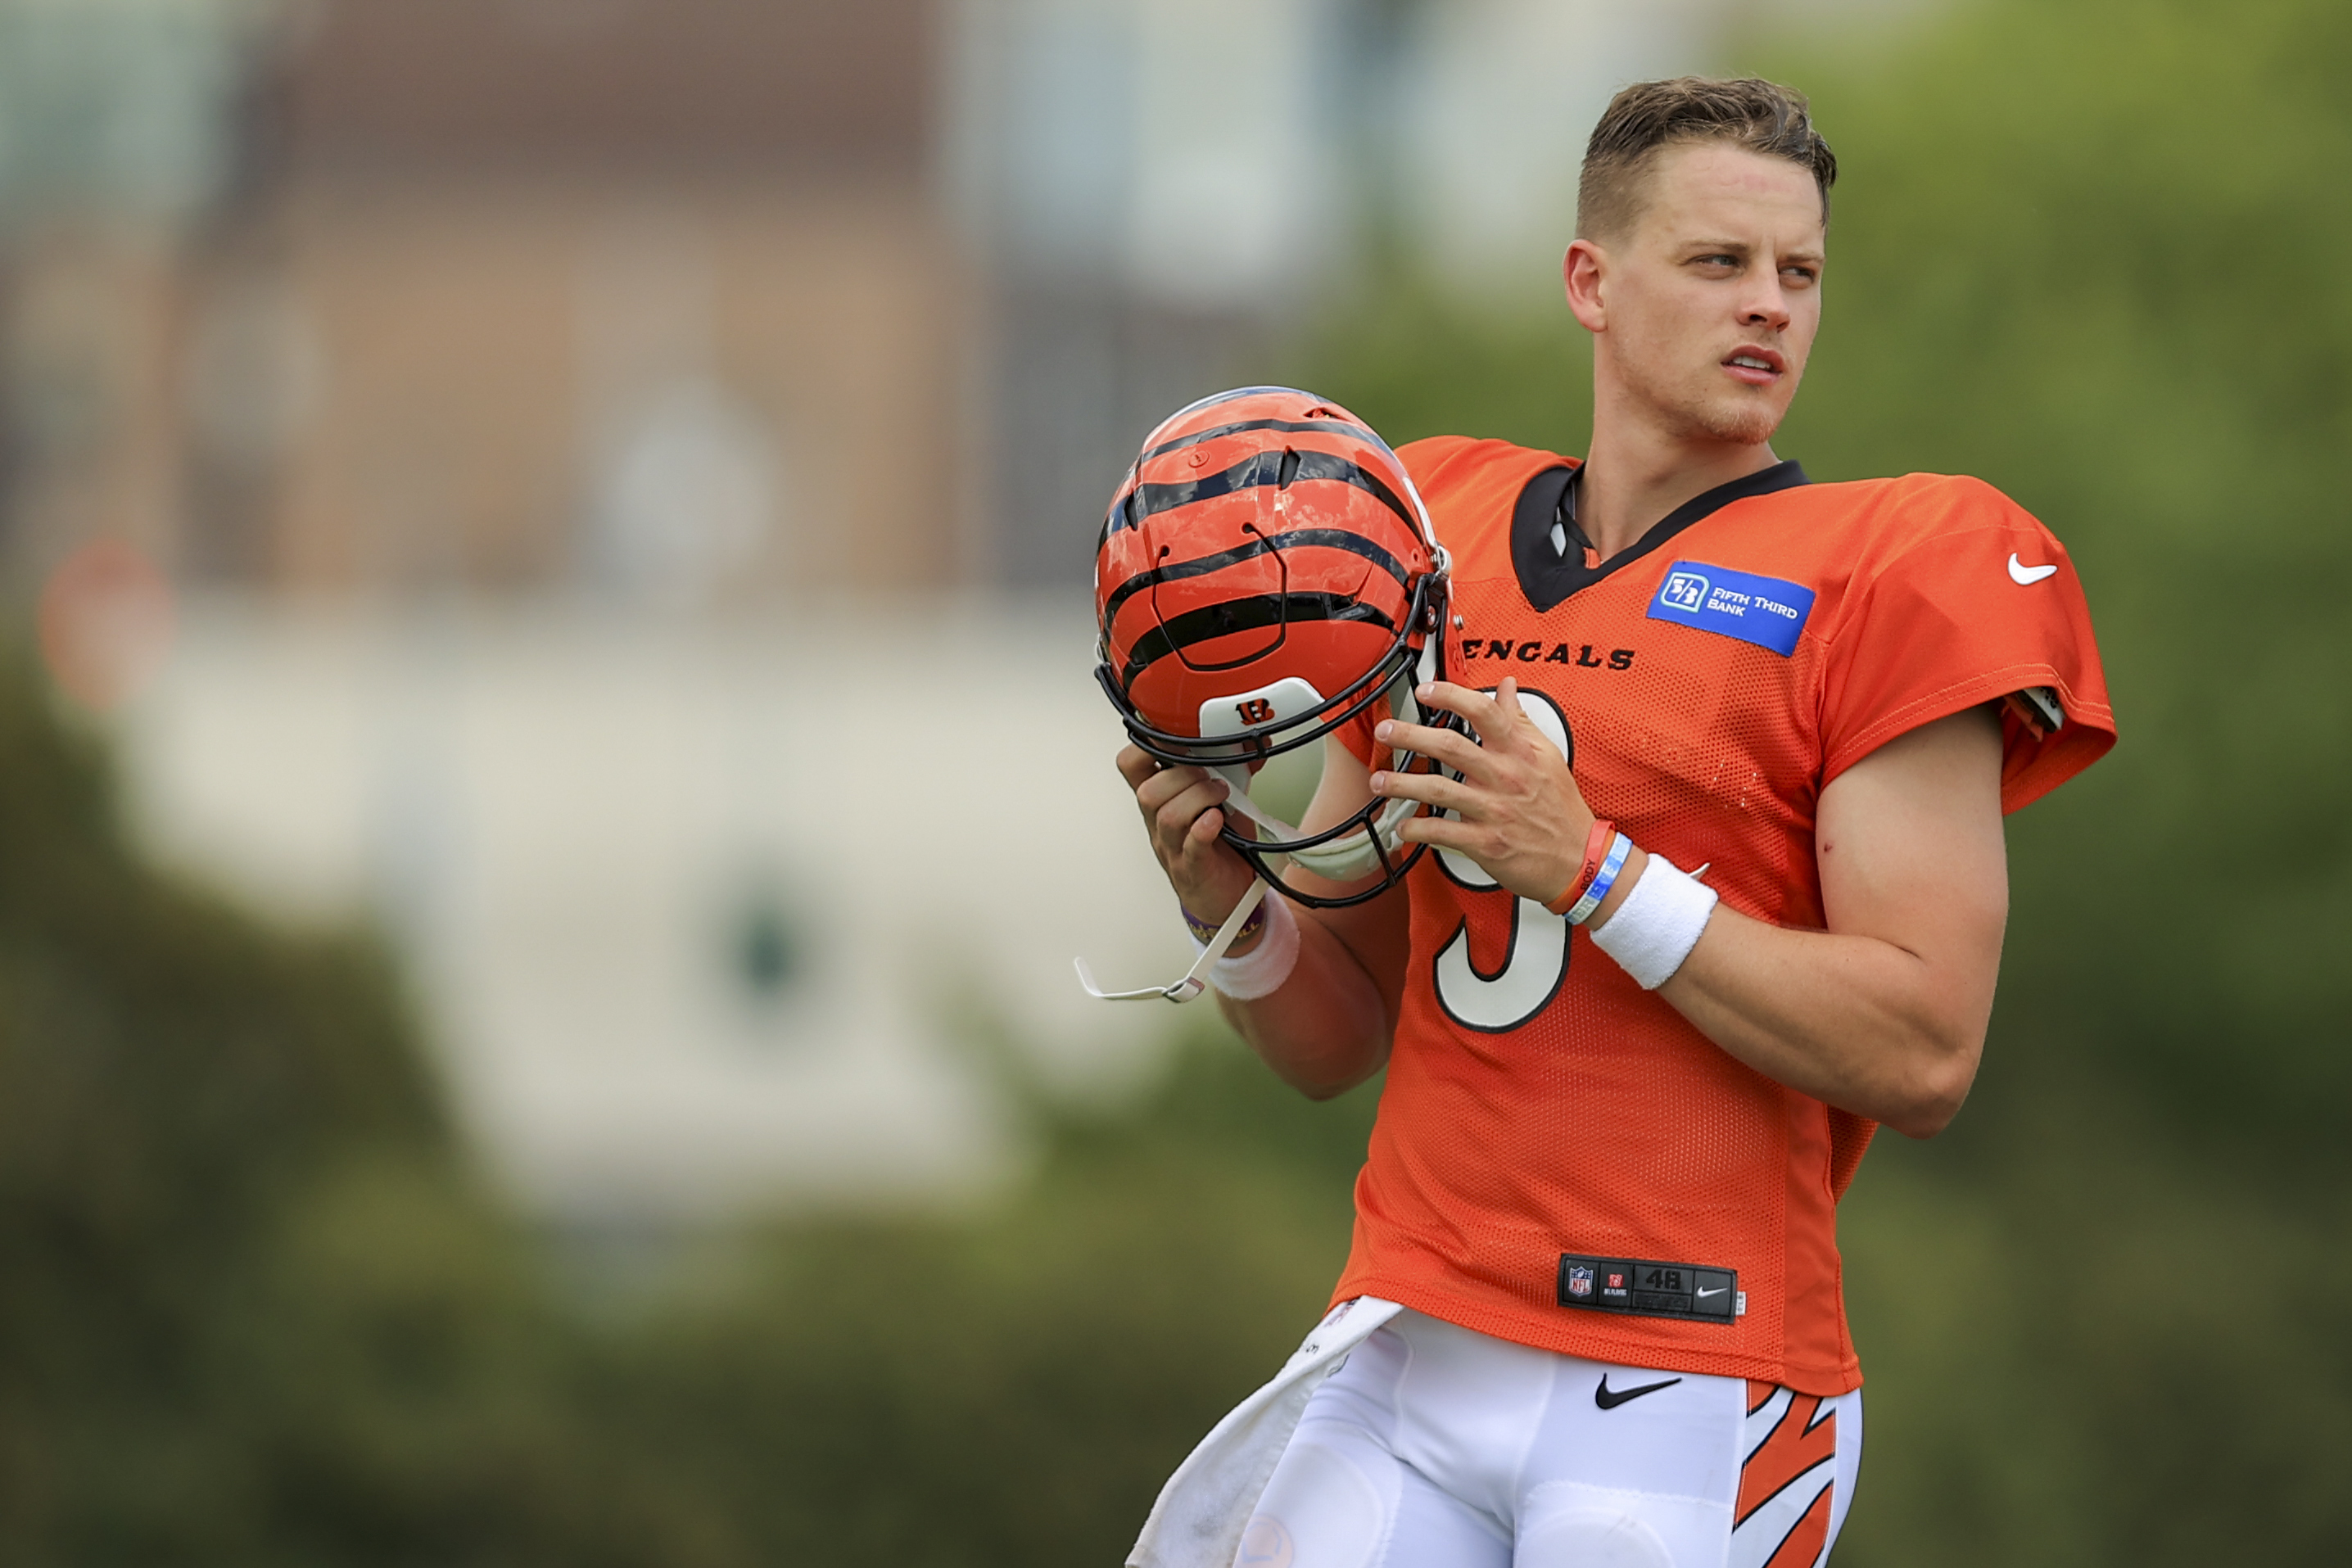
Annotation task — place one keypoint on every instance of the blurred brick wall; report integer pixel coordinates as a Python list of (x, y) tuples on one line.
[(482, 251)]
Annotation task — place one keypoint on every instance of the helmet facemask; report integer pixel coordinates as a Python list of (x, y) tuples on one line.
[(1368, 841)]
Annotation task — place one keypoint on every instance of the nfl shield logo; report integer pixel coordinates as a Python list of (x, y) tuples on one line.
[(1579, 1280)]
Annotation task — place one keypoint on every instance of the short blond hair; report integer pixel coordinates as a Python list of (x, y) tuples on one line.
[(1649, 116)]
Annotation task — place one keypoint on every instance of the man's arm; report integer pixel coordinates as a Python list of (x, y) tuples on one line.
[(1883, 1014), (1329, 1027)]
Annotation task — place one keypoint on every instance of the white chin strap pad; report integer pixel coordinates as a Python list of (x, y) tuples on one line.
[(1353, 856)]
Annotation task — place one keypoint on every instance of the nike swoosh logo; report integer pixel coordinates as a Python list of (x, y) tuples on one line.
[(2026, 576), (1607, 1400), (1717, 1291)]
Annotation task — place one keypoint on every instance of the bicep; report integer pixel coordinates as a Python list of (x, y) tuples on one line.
[(1910, 849)]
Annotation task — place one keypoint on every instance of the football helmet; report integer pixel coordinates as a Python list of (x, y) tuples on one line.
[(1268, 576)]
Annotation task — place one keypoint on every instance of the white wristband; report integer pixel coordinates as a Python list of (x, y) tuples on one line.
[(1658, 925), (1260, 971)]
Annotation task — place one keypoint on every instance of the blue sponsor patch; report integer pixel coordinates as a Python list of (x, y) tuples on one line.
[(1764, 610)]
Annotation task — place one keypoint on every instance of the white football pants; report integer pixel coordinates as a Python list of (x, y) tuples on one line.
[(1435, 1447)]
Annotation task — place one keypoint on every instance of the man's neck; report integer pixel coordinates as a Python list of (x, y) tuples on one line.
[(1634, 475)]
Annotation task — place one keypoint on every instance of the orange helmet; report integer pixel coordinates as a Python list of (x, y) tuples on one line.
[(1267, 575)]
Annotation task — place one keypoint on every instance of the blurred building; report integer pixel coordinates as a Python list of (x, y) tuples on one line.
[(722, 301), (628, 472), (1155, 188), (513, 293), (706, 916), (113, 136), (1165, 193)]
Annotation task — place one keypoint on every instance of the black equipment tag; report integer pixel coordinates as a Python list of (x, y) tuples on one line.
[(1652, 1290)]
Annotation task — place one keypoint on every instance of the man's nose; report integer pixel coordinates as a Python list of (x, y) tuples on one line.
[(1764, 304)]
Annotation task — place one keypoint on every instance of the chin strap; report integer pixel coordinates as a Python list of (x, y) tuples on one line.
[(1353, 855), (1195, 979), (1344, 859)]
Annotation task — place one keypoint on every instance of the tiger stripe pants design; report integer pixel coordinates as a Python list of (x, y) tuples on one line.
[(1435, 1447)]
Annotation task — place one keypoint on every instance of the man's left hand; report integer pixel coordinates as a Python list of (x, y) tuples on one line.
[(1515, 809)]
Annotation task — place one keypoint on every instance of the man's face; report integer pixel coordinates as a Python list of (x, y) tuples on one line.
[(1709, 302)]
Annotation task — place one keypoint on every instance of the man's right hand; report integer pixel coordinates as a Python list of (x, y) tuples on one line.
[(1182, 811), (1328, 1026)]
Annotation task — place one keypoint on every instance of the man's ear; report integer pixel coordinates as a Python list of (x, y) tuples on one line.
[(1585, 272)]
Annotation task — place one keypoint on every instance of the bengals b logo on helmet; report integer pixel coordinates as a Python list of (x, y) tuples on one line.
[(1265, 575)]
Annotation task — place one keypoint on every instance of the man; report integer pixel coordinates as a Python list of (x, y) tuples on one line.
[(1597, 1310)]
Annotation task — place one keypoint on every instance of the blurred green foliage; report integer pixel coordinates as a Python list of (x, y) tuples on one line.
[(252, 1312), (257, 1311), (1011, 1389)]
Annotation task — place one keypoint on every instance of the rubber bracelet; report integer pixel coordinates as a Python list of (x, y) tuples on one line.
[(1205, 931), (1596, 850), (1582, 910)]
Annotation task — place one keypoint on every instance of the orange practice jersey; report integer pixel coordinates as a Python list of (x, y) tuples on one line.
[(1560, 1159)]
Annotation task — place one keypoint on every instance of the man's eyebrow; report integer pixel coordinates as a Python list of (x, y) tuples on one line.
[(1743, 249)]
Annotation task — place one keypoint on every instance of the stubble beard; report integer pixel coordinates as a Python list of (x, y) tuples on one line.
[(1739, 426), (1710, 415), (1717, 414)]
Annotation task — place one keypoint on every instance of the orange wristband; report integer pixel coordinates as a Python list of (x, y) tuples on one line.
[(1596, 850)]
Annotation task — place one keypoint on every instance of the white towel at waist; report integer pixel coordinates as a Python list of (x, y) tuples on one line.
[(1207, 1504)]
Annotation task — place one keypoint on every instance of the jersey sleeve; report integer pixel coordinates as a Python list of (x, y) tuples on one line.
[(1429, 459), (1981, 602)]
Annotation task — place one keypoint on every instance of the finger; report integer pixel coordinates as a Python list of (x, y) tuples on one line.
[(1207, 874), (1193, 858), (1450, 746), (1174, 821), (1170, 783), (1433, 789), (1439, 833), (1491, 718), (1136, 765)]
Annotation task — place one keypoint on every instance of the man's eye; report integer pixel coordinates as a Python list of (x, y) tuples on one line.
[(1804, 274)]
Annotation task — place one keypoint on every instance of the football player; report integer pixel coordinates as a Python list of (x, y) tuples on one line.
[(1712, 883)]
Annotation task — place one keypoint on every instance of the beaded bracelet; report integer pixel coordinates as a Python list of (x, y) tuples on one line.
[(1205, 931), (1596, 850)]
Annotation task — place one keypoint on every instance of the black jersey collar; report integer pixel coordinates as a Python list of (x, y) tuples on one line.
[(1548, 576)]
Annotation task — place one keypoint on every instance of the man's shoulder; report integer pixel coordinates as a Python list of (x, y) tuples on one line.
[(1448, 464), (1842, 539), (1899, 512), (1471, 487)]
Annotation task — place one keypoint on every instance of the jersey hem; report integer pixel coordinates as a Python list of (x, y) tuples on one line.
[(1601, 1347)]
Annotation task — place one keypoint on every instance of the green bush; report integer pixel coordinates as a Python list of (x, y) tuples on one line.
[(1011, 1389), (258, 1311), (254, 1312)]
